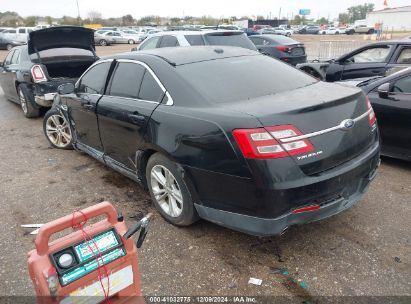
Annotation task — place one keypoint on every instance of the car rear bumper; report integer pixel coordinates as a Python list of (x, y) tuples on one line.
[(294, 60), (265, 212)]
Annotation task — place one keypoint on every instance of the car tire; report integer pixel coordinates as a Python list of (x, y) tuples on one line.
[(57, 130), (171, 196), (131, 41), (288, 34), (103, 42), (9, 47), (27, 102)]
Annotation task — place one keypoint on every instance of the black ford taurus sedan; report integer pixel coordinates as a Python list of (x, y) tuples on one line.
[(211, 140)]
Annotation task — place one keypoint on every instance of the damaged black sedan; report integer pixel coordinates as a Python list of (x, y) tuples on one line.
[(31, 73), (210, 140)]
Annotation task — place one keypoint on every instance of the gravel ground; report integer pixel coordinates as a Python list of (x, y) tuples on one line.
[(365, 250)]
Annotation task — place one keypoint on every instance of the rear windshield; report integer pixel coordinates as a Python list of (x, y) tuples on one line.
[(63, 52), (241, 78), (231, 39), (283, 39)]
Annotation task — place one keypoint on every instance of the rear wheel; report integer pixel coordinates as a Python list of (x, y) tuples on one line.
[(26, 98), (103, 42), (169, 192), (9, 47), (57, 130)]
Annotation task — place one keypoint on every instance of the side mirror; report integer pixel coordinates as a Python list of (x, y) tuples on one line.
[(134, 49), (1, 64), (66, 88), (384, 90)]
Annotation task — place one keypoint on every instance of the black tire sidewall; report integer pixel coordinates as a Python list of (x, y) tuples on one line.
[(189, 214), (46, 116), (32, 109)]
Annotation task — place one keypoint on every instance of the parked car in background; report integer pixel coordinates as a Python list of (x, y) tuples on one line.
[(250, 32), (222, 133), (391, 100), (17, 34), (30, 74), (374, 59), (280, 47), (309, 30), (276, 31), (360, 29), (103, 40), (332, 31), (8, 44), (196, 38), (132, 36)]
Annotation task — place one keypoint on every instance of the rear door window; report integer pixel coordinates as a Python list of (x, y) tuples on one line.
[(150, 43), (22, 31), (150, 89), (405, 56), (195, 39), (7, 61), (16, 57), (94, 81), (168, 41), (126, 80)]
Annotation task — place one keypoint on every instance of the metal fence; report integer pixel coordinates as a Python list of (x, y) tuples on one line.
[(329, 49)]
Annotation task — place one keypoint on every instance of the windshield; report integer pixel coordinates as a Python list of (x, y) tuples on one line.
[(239, 78), (230, 39)]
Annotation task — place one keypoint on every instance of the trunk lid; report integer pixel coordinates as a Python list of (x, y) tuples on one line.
[(314, 108), (61, 37)]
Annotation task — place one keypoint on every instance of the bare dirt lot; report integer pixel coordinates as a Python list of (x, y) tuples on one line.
[(365, 250)]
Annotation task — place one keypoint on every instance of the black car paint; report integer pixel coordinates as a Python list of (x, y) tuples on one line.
[(339, 69), (393, 115), (243, 194), (271, 51)]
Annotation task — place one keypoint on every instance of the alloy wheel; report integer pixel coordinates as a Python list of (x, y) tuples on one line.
[(58, 131), (23, 102), (103, 42), (166, 191)]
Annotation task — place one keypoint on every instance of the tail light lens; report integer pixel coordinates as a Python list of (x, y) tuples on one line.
[(38, 74), (282, 48), (264, 143), (371, 117)]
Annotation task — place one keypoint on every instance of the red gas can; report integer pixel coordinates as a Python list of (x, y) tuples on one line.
[(95, 262)]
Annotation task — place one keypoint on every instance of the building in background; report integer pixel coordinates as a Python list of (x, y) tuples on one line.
[(391, 19)]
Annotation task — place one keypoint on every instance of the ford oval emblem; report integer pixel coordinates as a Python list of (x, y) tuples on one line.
[(347, 124)]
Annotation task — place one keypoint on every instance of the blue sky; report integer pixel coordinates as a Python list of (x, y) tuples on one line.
[(215, 8)]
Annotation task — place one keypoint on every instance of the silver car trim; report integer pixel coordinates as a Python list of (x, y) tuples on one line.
[(321, 132)]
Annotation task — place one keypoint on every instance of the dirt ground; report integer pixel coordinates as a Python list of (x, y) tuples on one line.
[(363, 251)]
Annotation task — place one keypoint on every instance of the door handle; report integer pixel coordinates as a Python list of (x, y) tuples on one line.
[(136, 117), (88, 106)]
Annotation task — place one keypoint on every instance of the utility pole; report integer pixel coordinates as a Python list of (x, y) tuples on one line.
[(279, 14), (78, 12)]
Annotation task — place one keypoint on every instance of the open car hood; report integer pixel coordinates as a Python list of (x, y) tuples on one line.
[(59, 37)]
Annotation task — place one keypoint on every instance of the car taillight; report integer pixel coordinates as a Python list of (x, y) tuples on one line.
[(371, 117), (265, 142), (38, 74), (282, 48)]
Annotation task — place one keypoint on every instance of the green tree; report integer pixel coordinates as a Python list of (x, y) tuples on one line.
[(30, 21), (322, 20), (127, 20), (359, 12), (343, 18)]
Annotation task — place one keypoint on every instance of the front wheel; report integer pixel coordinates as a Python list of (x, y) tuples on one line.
[(9, 47), (103, 42), (57, 130), (169, 192), (131, 41)]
